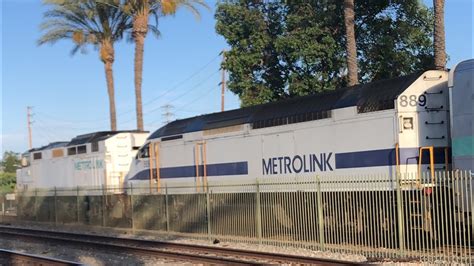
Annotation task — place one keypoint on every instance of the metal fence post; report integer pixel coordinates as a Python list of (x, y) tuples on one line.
[(77, 204), (167, 210), (320, 214), (131, 206), (3, 207), (401, 229), (258, 214), (471, 187), (55, 206), (17, 204), (35, 206), (208, 211), (103, 205)]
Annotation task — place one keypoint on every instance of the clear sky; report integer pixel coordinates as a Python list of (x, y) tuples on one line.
[(181, 68)]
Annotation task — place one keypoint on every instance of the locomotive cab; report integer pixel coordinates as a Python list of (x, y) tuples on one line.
[(423, 129)]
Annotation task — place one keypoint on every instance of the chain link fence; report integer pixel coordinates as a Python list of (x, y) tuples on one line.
[(399, 217)]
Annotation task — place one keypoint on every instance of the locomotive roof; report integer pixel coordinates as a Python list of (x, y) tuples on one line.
[(364, 96), (51, 145), (85, 138), (98, 136)]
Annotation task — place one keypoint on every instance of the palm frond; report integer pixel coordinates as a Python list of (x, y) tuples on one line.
[(191, 6), (154, 30), (84, 22)]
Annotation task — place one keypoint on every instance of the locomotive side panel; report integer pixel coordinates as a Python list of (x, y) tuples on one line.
[(462, 91), (290, 151), (333, 149)]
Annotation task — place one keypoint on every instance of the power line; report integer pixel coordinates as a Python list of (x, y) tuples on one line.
[(65, 125), (200, 97), (47, 133), (196, 99), (194, 74), (182, 82), (177, 97), (187, 91)]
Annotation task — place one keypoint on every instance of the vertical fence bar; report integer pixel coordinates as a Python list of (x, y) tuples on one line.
[(3, 206), (320, 214), (132, 202), (258, 214), (471, 226), (208, 209), (77, 205), (55, 206), (103, 205), (401, 236), (167, 209), (454, 199), (17, 206), (446, 225), (35, 206), (471, 195)]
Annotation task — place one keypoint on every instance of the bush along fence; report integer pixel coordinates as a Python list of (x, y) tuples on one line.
[(401, 217)]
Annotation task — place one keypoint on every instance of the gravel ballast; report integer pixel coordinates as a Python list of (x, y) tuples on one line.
[(98, 257)]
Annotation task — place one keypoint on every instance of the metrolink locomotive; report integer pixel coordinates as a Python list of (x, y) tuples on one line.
[(398, 128), (90, 160), (384, 127)]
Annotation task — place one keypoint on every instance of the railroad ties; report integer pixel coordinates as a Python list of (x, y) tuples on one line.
[(9, 257), (176, 251)]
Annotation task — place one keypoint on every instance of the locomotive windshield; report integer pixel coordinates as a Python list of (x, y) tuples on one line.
[(143, 152)]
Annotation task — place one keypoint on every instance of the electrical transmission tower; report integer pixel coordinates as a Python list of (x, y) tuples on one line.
[(167, 114)]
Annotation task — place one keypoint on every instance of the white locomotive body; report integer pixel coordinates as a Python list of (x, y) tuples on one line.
[(400, 124), (90, 160)]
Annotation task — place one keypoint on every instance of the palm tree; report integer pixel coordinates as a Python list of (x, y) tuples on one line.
[(439, 35), (141, 11), (350, 42), (88, 22)]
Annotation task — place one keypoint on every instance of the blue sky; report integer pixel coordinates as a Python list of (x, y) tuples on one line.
[(181, 68)]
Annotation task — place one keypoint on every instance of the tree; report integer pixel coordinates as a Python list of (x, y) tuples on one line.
[(140, 12), (7, 182), (439, 36), (310, 49), (88, 22), (393, 38), (251, 29), (281, 49), (351, 49), (10, 162)]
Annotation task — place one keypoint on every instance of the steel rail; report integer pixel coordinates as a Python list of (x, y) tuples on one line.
[(215, 255), (156, 253), (17, 258)]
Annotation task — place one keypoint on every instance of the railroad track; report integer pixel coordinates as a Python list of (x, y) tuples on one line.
[(9, 257), (177, 251)]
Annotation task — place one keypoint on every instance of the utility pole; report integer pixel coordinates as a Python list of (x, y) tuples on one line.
[(223, 81), (29, 122), (167, 113)]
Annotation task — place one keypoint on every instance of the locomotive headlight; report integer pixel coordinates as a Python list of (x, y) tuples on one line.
[(408, 123)]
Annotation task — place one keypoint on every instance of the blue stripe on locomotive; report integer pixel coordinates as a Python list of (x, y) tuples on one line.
[(373, 158), (218, 169), (386, 157)]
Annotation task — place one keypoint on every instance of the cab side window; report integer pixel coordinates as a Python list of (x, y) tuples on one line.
[(143, 152)]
